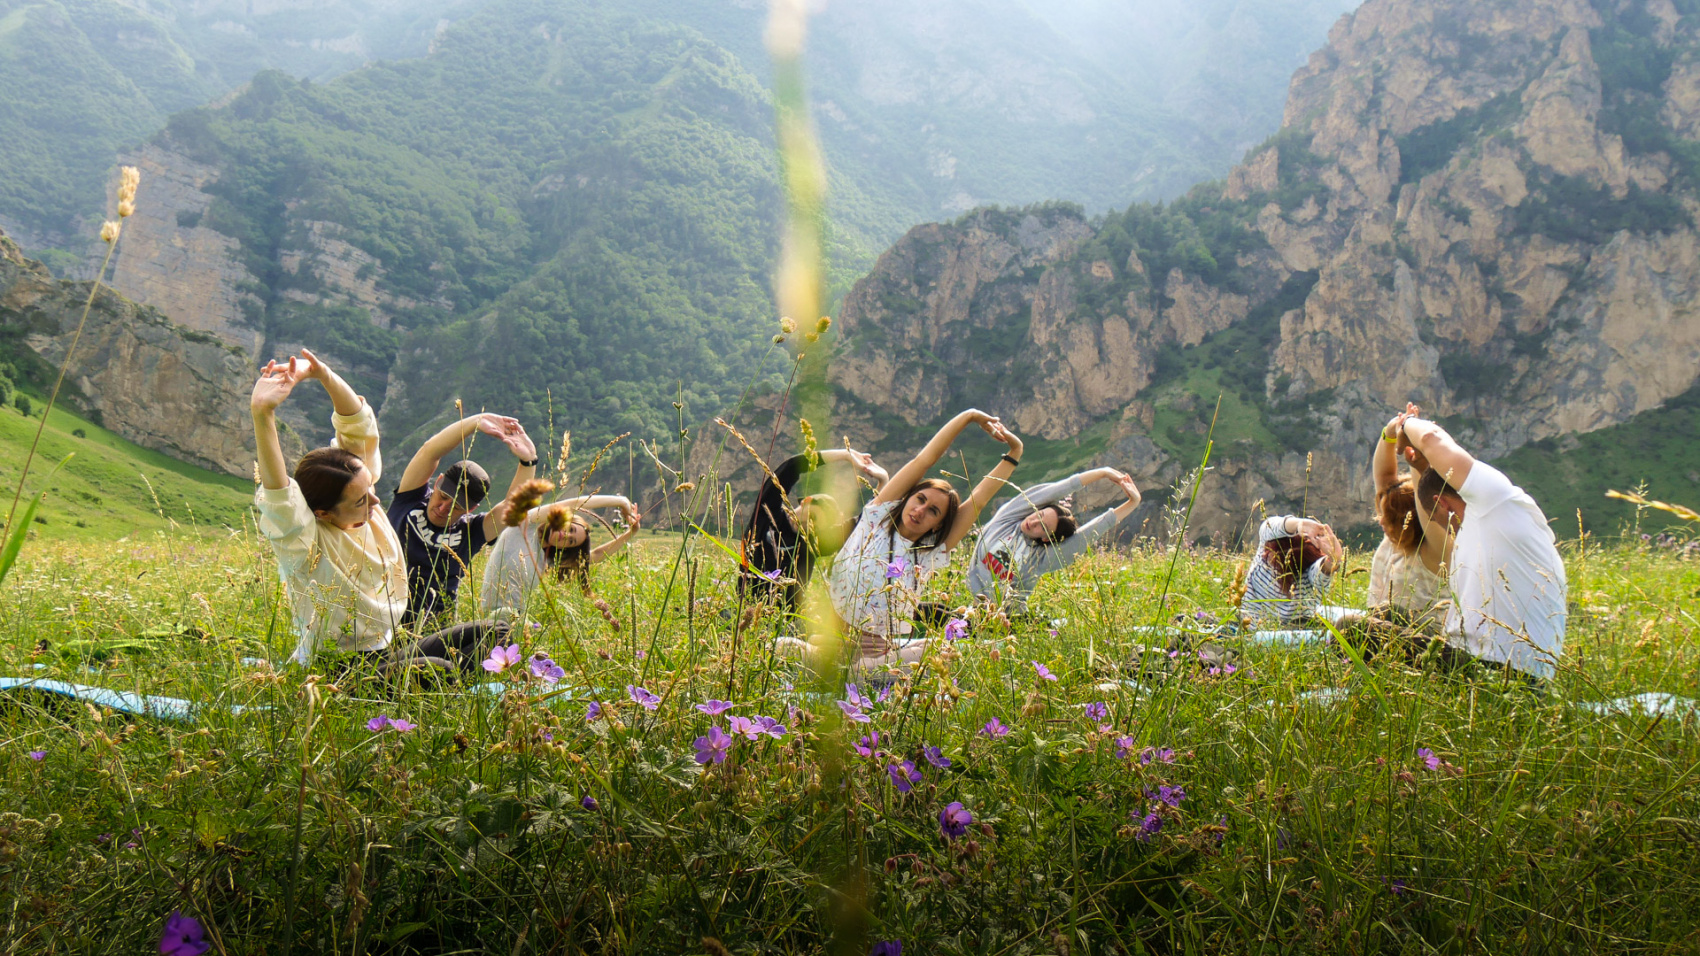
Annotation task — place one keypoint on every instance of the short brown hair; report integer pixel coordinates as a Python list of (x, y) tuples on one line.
[(953, 501), (1396, 511), (1431, 487), (323, 475)]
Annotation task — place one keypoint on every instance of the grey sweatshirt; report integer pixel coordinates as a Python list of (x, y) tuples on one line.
[(1007, 566)]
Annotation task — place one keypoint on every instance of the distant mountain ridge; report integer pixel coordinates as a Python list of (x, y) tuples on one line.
[(1487, 207)]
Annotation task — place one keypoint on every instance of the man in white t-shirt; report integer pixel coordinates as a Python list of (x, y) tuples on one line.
[(1507, 579)]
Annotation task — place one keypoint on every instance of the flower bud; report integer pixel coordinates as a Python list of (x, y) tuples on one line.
[(109, 231)]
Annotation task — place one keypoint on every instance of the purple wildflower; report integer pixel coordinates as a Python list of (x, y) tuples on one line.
[(770, 727), (883, 694), (377, 724), (1097, 711), (1149, 827), (994, 729), (936, 757), (904, 776), (1429, 758), (774, 575), (644, 697), (954, 820), (890, 947), (712, 746), (743, 725), (852, 712), (955, 629), (868, 744), (502, 657), (896, 569), (1158, 754), (546, 669), (38, 755), (183, 936), (402, 726), (1124, 748), (714, 708), (592, 712), (589, 803), (1044, 672), (1282, 838), (1167, 794), (1397, 887), (855, 698)]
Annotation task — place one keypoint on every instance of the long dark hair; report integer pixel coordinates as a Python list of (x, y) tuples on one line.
[(1066, 523), (323, 475), (1289, 556), (1396, 511), (934, 538), (568, 562)]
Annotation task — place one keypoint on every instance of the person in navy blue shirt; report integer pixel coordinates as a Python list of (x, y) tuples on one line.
[(432, 513)]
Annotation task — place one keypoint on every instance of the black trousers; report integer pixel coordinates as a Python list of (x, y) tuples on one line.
[(452, 651)]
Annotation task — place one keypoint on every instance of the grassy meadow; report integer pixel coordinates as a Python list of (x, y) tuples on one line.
[(1195, 812)]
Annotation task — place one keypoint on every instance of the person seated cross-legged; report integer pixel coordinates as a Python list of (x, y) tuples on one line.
[(430, 513), (1507, 580)]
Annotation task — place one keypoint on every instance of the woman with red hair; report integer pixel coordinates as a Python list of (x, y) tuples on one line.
[(1405, 574)]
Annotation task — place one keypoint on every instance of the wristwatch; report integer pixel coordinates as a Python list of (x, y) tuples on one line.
[(529, 464)]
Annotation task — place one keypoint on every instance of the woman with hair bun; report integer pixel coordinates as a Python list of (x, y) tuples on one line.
[(552, 540)]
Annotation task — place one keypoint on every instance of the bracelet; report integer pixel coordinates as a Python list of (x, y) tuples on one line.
[(1012, 461), (529, 464), (1390, 439)]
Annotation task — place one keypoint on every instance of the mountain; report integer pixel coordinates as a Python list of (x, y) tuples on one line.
[(82, 79), (1484, 207), (133, 371)]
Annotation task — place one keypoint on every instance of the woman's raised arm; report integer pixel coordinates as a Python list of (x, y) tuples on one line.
[(917, 468), (275, 383), (988, 487)]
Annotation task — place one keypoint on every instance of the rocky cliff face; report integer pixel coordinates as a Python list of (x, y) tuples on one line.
[(1484, 207), (158, 384)]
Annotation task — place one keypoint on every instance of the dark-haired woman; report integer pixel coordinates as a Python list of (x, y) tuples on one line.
[(1036, 534), (903, 538), (1295, 563), (341, 563), (551, 540), (1405, 574)]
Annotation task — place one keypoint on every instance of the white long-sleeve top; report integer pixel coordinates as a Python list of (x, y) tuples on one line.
[(349, 587)]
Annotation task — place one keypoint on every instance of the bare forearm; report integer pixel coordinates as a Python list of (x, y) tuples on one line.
[(274, 474), (343, 398)]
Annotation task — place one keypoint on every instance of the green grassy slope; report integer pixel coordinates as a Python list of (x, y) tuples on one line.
[(103, 492), (1655, 447)]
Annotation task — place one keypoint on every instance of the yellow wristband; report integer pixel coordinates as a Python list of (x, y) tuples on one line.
[(1390, 439)]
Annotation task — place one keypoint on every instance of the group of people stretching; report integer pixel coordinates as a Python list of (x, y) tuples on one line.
[(382, 591), (1465, 556)]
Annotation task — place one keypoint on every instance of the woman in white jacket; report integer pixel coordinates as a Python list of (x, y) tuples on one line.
[(341, 563)]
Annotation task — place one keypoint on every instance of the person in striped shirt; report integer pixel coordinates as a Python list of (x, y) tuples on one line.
[(1295, 563)]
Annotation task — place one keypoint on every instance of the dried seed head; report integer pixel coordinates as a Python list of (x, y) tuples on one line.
[(787, 326), (129, 177), (824, 324), (525, 498), (109, 231)]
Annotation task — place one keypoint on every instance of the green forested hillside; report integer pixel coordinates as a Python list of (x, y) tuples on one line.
[(78, 80), (595, 225)]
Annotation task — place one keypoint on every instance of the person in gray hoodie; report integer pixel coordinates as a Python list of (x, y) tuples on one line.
[(1036, 534)]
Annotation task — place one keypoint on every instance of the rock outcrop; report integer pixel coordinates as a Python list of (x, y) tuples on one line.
[(172, 261), (156, 383), (1484, 207)]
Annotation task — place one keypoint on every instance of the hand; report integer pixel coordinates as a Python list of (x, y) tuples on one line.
[(1006, 436), (985, 421), (512, 434), (1394, 426), (633, 517), (1127, 485), (314, 368), (275, 383)]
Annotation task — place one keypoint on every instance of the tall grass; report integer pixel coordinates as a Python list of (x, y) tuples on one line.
[(1306, 826)]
